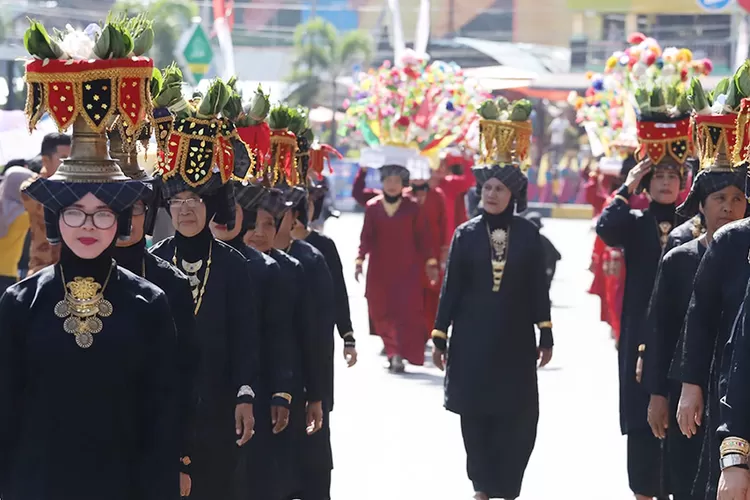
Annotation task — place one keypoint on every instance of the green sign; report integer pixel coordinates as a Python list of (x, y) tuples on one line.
[(195, 53)]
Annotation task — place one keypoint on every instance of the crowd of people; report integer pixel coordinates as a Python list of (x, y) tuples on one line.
[(670, 267)]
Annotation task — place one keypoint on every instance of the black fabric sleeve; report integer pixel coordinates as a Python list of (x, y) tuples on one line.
[(312, 354), (341, 296), (182, 306), (450, 292), (11, 380), (703, 317), (243, 328), (657, 357), (540, 290), (734, 407), (615, 223), (279, 331), (159, 387)]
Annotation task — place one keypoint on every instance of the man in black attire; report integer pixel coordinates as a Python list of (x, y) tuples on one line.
[(643, 236), (719, 195), (327, 247)]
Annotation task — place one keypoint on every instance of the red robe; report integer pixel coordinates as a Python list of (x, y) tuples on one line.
[(399, 248), (455, 187), (433, 210), (608, 267)]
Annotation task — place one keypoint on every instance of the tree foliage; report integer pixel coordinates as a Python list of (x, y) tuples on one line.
[(321, 55), (171, 19)]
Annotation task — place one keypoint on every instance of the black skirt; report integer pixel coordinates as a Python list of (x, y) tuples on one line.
[(498, 449)]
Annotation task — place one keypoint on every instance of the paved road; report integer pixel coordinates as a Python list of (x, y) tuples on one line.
[(393, 440)]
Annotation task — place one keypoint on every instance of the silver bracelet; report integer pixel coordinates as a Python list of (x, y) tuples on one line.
[(246, 390), (732, 460)]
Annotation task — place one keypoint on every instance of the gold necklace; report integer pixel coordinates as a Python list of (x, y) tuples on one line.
[(81, 307), (499, 239), (198, 297)]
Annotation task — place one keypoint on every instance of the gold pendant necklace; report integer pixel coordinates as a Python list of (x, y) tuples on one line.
[(82, 307), (499, 239), (197, 294)]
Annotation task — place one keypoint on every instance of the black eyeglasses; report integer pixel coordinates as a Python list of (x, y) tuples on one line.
[(190, 203), (102, 219)]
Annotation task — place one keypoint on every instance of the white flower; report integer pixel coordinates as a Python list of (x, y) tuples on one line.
[(77, 44)]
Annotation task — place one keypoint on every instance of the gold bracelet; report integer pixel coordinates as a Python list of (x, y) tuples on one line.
[(621, 197), (185, 461), (359, 262), (641, 349), (432, 262), (735, 445), (439, 334), (544, 324), (284, 395)]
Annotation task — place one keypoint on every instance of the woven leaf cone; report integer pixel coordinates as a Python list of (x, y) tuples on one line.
[(504, 142)]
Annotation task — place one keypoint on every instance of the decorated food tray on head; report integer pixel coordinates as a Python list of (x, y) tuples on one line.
[(415, 104), (642, 79)]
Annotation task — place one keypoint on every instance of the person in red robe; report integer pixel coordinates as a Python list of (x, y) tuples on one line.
[(433, 207), (396, 239), (454, 187)]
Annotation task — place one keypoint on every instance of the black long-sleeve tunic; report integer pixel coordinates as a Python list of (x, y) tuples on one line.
[(734, 405), (175, 285), (639, 235), (227, 333), (718, 291), (93, 423), (493, 339), (669, 304), (327, 247), (318, 360), (275, 343), (261, 464)]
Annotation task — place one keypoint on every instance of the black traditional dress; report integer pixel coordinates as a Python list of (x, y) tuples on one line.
[(175, 285), (259, 476), (734, 406), (642, 235), (669, 304), (327, 247), (297, 307), (317, 456), (87, 416), (493, 343), (718, 290), (227, 332)]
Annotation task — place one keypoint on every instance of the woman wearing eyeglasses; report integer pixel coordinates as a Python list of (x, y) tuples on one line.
[(87, 357), (226, 330)]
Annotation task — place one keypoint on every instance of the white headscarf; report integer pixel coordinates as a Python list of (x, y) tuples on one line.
[(11, 205)]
